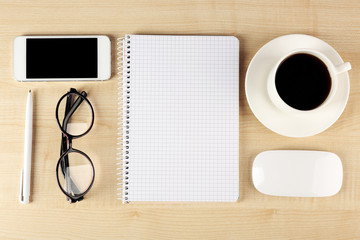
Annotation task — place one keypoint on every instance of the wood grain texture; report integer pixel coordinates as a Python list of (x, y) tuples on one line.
[(101, 216)]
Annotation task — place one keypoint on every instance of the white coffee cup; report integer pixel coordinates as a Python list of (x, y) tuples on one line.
[(333, 70)]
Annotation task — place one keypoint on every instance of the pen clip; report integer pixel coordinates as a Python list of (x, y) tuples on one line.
[(21, 197)]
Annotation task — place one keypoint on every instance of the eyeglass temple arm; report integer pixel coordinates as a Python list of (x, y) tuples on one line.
[(63, 148), (71, 186), (63, 137), (69, 111)]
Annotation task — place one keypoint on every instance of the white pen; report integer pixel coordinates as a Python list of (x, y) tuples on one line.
[(26, 171)]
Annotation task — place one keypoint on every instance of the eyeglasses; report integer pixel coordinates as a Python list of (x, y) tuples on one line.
[(75, 171)]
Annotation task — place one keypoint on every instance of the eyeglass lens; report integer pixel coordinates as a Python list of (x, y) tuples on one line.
[(78, 174), (79, 114)]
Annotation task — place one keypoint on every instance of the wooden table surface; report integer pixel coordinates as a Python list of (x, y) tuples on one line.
[(100, 215)]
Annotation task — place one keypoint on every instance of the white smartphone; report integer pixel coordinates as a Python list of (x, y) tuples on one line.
[(62, 58)]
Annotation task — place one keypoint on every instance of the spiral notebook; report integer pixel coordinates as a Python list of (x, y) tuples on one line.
[(179, 117)]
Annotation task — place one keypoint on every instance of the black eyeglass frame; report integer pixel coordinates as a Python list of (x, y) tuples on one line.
[(66, 139)]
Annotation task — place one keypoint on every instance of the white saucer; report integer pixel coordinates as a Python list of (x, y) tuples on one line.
[(267, 113)]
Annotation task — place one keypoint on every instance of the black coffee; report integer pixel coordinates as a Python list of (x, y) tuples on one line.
[(303, 81)]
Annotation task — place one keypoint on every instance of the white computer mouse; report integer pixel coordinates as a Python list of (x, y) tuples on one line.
[(294, 173)]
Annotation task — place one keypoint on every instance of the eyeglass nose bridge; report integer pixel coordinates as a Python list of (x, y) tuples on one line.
[(69, 142)]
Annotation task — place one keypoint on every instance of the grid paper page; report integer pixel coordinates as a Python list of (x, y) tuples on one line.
[(184, 118)]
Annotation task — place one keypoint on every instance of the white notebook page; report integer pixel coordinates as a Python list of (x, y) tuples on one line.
[(184, 118)]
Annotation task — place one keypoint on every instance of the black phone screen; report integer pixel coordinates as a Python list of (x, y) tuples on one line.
[(61, 58)]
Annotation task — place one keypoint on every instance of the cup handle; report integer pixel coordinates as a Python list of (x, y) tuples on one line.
[(343, 67)]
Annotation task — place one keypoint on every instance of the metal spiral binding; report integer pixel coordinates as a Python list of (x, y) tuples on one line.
[(123, 68)]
